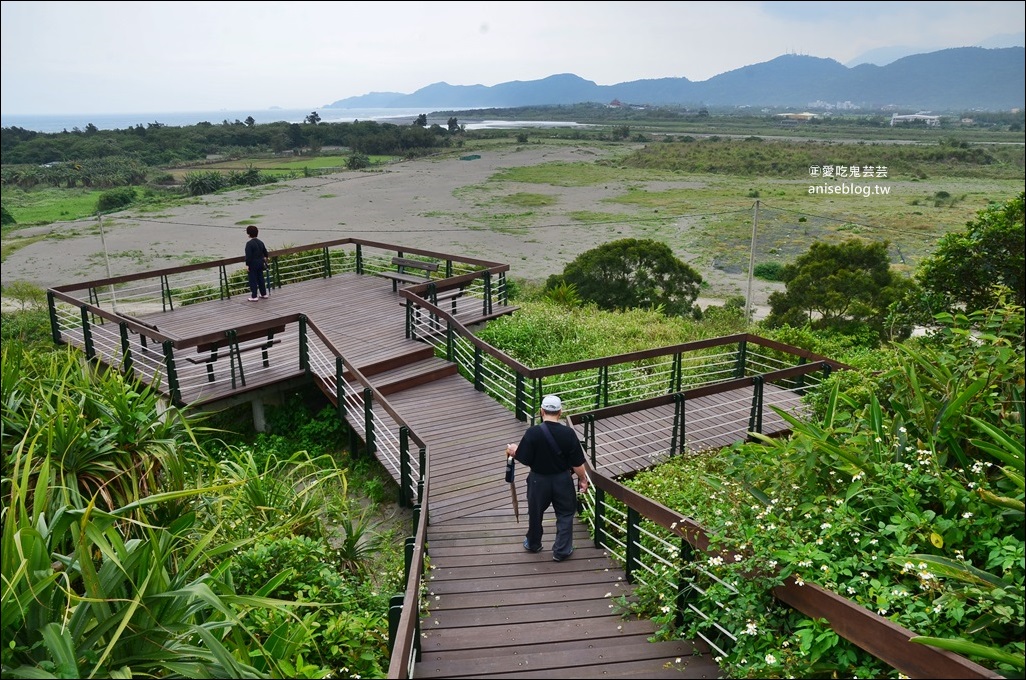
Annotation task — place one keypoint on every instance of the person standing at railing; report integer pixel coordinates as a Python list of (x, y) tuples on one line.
[(551, 450), (256, 261)]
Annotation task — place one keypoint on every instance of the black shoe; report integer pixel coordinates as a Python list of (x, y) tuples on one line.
[(557, 558), (530, 549)]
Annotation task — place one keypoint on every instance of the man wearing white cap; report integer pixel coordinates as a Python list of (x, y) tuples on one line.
[(551, 450)]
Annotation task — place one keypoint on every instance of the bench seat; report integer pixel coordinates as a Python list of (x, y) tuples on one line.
[(262, 341), (403, 275)]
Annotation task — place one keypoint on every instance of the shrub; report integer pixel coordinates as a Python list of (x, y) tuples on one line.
[(769, 271), (115, 199), (895, 499)]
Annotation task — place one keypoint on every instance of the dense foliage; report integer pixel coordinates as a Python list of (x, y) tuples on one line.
[(632, 273), (157, 144), (758, 157), (969, 266), (907, 498), (839, 288), (134, 543)]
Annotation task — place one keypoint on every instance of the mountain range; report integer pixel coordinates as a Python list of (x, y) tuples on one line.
[(956, 79)]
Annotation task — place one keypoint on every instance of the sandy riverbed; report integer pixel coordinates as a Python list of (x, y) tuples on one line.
[(440, 204)]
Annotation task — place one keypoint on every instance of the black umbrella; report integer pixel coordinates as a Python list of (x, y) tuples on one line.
[(510, 463)]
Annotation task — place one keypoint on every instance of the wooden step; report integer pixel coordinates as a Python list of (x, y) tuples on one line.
[(415, 353), (411, 375)]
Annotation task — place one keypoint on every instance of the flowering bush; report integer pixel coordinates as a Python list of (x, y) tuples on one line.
[(907, 499)]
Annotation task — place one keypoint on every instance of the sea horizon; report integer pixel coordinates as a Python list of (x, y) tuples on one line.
[(49, 123)]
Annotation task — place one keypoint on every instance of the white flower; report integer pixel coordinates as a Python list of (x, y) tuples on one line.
[(770, 659), (967, 515)]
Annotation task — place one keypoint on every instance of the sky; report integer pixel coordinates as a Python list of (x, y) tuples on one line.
[(138, 57)]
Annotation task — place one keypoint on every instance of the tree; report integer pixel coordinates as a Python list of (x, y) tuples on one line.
[(250, 121), (313, 118), (844, 287), (421, 120), (454, 125), (967, 265), (632, 273)]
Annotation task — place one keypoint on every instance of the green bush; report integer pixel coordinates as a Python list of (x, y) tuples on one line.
[(6, 218), (769, 271), (895, 499), (31, 327), (115, 199), (348, 622)]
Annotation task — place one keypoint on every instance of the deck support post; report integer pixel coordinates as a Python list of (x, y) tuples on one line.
[(677, 434), (55, 327), (126, 348), (755, 419), (687, 556), (520, 407), (405, 474), (677, 373), (632, 547), (478, 377), (602, 389), (422, 459), (259, 421), (304, 348), (87, 334), (340, 369), (395, 610), (173, 388), (368, 420), (742, 351)]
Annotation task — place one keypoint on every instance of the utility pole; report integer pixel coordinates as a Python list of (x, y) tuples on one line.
[(106, 259), (749, 309)]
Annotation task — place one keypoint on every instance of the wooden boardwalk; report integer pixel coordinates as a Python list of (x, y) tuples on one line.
[(494, 609)]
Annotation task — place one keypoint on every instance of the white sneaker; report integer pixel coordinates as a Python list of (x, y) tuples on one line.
[(264, 297), (252, 299)]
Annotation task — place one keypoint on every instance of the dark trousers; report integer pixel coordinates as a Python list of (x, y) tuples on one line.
[(256, 282), (557, 491)]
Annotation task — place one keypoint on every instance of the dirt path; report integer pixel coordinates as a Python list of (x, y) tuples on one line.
[(437, 203)]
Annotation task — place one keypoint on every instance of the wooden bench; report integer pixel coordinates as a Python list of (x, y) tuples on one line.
[(403, 275), (245, 342)]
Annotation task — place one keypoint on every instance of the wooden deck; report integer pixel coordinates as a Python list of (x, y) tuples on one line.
[(494, 609)]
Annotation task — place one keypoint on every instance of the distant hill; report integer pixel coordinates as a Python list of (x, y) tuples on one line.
[(954, 79)]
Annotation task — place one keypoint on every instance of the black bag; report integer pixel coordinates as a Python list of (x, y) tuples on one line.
[(562, 461), (555, 447)]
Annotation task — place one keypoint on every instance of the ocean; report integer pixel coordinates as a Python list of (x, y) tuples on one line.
[(123, 121)]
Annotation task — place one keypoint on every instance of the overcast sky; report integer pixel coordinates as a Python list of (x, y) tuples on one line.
[(128, 57)]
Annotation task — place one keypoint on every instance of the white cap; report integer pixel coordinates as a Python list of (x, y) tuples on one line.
[(551, 404)]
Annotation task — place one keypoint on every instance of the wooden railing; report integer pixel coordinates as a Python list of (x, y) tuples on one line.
[(607, 381), (594, 389), (80, 313), (620, 534)]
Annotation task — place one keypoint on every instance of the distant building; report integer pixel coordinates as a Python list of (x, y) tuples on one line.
[(922, 116), (797, 116)]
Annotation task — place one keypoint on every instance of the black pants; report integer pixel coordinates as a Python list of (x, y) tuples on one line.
[(558, 491), (256, 282)]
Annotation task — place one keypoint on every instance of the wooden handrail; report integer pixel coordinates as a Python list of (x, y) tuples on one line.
[(877, 635)]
